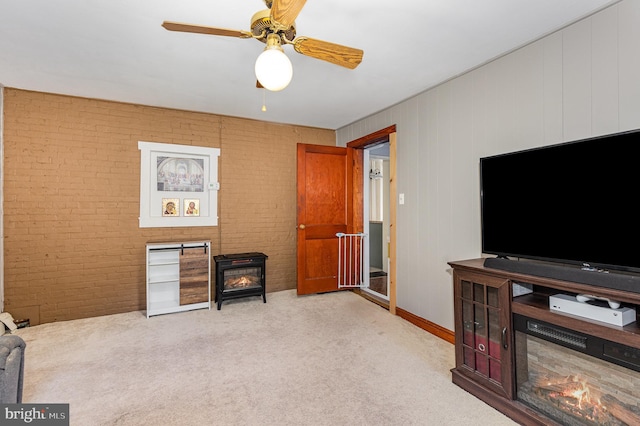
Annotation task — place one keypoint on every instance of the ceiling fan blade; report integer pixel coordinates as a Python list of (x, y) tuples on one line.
[(336, 54), (285, 12), (189, 28)]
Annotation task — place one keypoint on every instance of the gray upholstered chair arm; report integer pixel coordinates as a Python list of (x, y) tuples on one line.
[(11, 368)]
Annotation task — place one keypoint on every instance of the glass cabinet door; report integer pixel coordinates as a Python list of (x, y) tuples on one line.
[(482, 329)]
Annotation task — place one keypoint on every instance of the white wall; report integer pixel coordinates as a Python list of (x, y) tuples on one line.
[(579, 82)]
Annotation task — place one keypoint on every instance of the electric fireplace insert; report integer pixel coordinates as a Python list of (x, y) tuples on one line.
[(240, 275), (574, 378)]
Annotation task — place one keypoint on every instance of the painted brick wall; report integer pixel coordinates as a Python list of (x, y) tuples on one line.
[(73, 248)]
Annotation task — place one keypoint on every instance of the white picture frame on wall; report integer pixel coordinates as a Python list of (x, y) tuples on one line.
[(177, 172)]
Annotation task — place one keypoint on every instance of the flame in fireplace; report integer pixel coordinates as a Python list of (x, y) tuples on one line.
[(241, 281), (576, 396), (581, 392), (244, 281), (571, 397)]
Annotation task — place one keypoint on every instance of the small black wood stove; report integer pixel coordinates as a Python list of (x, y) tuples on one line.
[(240, 275)]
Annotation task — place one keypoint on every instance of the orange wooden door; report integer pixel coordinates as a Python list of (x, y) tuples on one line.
[(325, 207)]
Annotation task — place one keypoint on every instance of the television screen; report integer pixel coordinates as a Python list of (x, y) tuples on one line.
[(569, 203)]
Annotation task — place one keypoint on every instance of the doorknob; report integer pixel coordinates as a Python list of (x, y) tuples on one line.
[(301, 226)]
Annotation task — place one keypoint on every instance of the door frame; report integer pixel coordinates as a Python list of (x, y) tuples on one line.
[(387, 134)]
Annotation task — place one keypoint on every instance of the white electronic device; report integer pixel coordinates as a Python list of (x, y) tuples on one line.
[(571, 305)]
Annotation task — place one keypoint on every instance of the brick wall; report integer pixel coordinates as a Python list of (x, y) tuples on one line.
[(73, 248)]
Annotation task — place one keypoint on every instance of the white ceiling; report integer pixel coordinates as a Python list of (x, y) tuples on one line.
[(117, 50)]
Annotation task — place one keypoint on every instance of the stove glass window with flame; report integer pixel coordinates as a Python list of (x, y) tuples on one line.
[(242, 278), (572, 387)]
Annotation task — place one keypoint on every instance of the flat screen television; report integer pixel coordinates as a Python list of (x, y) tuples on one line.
[(571, 203)]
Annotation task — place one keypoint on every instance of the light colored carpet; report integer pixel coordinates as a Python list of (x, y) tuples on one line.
[(330, 359)]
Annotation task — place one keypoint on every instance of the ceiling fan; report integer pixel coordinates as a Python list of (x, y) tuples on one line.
[(275, 26)]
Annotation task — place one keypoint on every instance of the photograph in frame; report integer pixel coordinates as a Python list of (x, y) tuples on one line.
[(180, 174), (171, 207), (191, 207), (174, 171)]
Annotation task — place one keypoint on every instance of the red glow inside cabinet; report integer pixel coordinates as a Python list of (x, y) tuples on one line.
[(483, 330)]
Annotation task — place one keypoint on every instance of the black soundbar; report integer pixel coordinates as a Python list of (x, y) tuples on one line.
[(566, 273)]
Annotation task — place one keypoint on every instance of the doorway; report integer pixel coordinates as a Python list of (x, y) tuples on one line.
[(388, 136), (377, 225)]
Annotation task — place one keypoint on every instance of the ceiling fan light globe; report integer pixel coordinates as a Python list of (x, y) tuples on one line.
[(273, 70)]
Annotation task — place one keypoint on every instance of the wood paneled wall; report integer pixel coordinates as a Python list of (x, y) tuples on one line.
[(578, 82)]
